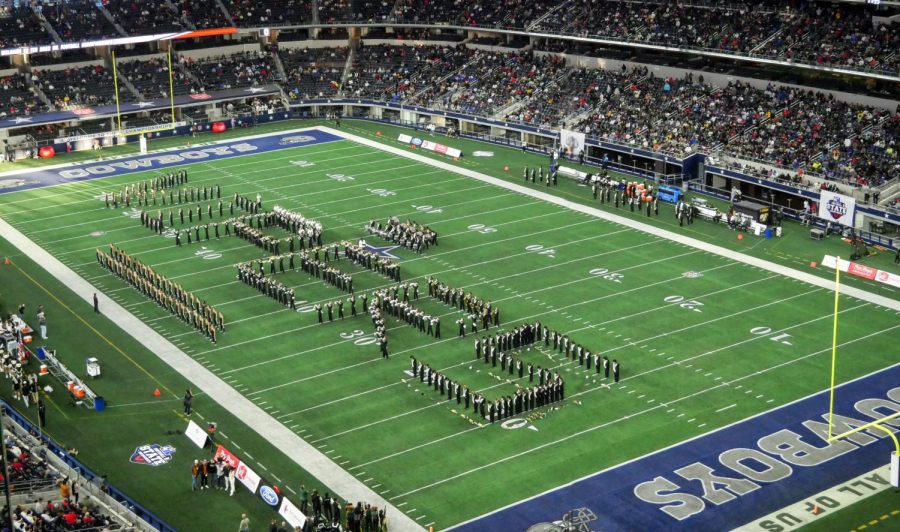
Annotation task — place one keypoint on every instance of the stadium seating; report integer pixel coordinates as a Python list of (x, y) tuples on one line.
[(25, 468), (313, 72), (16, 97), (393, 73), (151, 77), (76, 21), (493, 80), (27, 473), (263, 13), (20, 26), (499, 13), (838, 35), (75, 87), (790, 127), (245, 69), (144, 16), (202, 13), (354, 10)]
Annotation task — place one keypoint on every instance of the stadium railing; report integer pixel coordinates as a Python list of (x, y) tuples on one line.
[(95, 482)]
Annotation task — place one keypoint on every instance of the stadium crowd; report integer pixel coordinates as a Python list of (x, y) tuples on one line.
[(90, 85), (793, 128), (20, 26), (313, 72), (17, 97), (838, 35), (28, 471), (247, 69)]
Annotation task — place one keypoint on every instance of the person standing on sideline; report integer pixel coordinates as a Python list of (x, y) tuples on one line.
[(615, 367), (229, 480), (195, 476), (188, 398), (304, 499), (245, 524), (42, 413), (42, 321), (96, 304)]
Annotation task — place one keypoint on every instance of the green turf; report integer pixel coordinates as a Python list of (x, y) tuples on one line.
[(393, 434), (880, 512)]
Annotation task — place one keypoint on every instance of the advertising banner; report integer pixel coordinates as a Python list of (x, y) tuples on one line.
[(248, 477), (571, 142), (292, 514), (196, 434), (861, 270), (837, 208), (429, 145)]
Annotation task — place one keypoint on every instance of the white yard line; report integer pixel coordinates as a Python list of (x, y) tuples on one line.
[(637, 375), (628, 222), (631, 416), (98, 185), (294, 447)]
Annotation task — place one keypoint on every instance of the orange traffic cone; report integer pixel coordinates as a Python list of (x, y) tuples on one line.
[(6, 261), (812, 264), (156, 392), (816, 510)]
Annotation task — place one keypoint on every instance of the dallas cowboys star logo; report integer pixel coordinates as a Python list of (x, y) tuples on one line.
[(21, 120), (254, 90), (143, 104), (381, 251)]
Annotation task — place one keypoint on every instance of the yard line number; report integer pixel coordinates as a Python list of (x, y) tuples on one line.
[(483, 229), (381, 192), (606, 274), (359, 337), (517, 423), (207, 254), (688, 304), (540, 250), (428, 209), (780, 336), (341, 177)]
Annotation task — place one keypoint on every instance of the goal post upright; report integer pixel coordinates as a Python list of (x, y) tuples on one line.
[(837, 286), (171, 86), (878, 424), (116, 89)]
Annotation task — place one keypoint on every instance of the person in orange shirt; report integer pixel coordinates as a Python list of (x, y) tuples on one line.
[(64, 491)]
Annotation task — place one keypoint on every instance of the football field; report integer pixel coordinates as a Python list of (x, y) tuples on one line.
[(703, 340)]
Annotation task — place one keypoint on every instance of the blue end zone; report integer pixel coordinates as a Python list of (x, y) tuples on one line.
[(612, 495), (162, 160)]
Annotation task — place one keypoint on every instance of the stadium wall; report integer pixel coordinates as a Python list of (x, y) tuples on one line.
[(341, 43), (204, 53), (64, 66)]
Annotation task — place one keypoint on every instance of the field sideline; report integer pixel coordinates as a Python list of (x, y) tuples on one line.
[(687, 368)]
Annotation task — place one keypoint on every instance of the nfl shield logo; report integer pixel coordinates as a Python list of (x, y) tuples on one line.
[(152, 454)]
